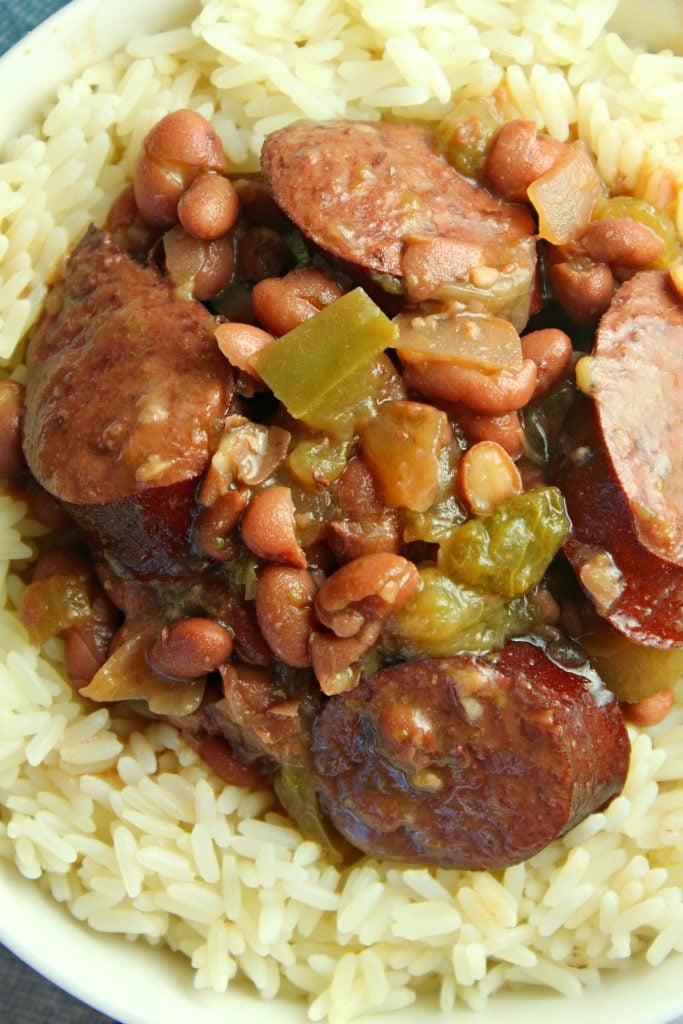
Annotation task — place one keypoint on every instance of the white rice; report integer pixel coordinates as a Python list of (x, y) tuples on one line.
[(118, 818)]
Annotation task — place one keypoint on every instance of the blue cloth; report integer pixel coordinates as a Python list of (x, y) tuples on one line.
[(17, 17)]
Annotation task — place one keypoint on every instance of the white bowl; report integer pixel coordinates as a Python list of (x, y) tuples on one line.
[(137, 983)]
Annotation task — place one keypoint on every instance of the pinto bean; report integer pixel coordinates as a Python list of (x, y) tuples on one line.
[(12, 463), (583, 291), (505, 430), (551, 350), (371, 587), (486, 476), (86, 647), (349, 538), (174, 152), (284, 610), (355, 491), (335, 659), (199, 269), (208, 207), (622, 242), (189, 648), (490, 394), (649, 711), (427, 263), (239, 343), (268, 527), (213, 526), (518, 156), (264, 253), (282, 303)]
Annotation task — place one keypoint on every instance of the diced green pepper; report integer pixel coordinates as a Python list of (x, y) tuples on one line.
[(466, 135), (633, 672), (436, 613), (508, 553), (314, 369)]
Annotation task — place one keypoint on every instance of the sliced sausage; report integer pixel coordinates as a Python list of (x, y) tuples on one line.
[(365, 191), (468, 762), (125, 400), (621, 464), (640, 593), (637, 386)]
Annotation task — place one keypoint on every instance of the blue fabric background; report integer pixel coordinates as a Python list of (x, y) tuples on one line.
[(25, 997), (17, 17)]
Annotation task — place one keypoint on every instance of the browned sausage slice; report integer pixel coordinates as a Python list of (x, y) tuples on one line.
[(638, 592), (468, 762), (125, 401), (362, 190), (637, 386)]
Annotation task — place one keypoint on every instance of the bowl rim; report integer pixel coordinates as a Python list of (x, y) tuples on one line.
[(105, 971)]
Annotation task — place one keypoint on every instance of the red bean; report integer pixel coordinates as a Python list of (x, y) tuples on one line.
[(189, 648), (213, 526), (268, 527), (355, 491), (369, 588), (651, 710), (239, 343), (208, 208), (199, 269), (622, 242), (490, 394), (284, 609), (335, 659), (505, 430), (551, 351), (174, 152), (518, 156), (62, 561), (282, 303), (583, 291)]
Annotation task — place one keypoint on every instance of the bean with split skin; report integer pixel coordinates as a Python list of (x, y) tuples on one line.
[(189, 648), (505, 430), (622, 242), (282, 303), (519, 155), (198, 268), (336, 660), (208, 207), (371, 587), (490, 394), (268, 527), (175, 151), (284, 610), (551, 351), (583, 288), (239, 343), (215, 523)]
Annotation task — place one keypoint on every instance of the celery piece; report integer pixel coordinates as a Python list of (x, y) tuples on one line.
[(311, 368), (508, 553)]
